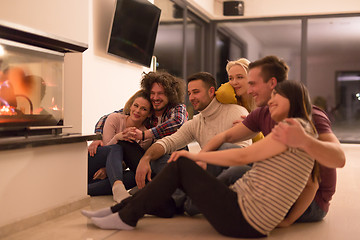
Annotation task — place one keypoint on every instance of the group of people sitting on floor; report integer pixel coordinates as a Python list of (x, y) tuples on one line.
[(268, 156)]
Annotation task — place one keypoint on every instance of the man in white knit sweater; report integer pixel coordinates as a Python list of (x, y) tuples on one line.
[(214, 118)]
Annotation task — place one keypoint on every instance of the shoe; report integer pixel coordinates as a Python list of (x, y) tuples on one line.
[(134, 190), (190, 208)]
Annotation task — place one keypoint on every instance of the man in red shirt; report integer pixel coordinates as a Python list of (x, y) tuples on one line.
[(313, 203)]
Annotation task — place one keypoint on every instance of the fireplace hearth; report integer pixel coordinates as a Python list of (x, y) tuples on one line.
[(32, 81)]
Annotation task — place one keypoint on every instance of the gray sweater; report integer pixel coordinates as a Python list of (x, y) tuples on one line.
[(214, 119)]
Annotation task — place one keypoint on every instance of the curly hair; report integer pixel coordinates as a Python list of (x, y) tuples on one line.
[(174, 87), (271, 66)]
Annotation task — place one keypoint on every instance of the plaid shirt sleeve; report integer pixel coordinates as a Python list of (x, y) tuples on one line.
[(172, 119), (99, 126)]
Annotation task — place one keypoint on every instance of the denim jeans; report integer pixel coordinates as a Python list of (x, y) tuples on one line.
[(312, 214), (112, 157), (159, 164), (103, 187)]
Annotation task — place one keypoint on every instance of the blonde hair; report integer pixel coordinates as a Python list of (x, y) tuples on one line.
[(243, 62), (140, 93), (246, 100)]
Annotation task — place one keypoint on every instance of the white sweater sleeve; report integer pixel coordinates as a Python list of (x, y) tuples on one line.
[(179, 139)]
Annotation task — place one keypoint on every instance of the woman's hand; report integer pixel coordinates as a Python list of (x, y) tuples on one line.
[(93, 147), (138, 134), (129, 134), (100, 174), (175, 155)]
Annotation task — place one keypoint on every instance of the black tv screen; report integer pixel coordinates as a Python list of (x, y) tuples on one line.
[(133, 30)]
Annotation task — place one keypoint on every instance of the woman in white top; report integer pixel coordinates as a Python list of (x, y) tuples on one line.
[(250, 208)]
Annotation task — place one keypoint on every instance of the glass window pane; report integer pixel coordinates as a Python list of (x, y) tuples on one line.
[(281, 38), (193, 47), (333, 67), (169, 40)]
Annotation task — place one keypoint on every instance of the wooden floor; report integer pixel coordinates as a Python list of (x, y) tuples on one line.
[(342, 222)]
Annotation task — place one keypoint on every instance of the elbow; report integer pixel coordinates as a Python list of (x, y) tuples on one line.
[(342, 161)]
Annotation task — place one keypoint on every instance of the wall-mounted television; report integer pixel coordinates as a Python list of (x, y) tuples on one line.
[(133, 31)]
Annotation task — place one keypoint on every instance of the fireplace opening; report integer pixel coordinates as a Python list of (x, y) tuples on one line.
[(31, 88), (32, 80)]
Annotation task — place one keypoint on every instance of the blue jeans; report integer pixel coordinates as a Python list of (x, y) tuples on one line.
[(159, 164), (112, 157), (312, 214), (103, 187)]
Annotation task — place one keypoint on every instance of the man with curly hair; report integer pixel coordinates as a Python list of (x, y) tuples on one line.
[(167, 95)]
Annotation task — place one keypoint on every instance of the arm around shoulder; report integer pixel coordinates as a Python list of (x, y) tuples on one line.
[(237, 133), (326, 149), (258, 151)]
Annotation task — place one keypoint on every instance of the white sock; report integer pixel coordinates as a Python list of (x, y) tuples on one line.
[(112, 221), (119, 192), (99, 213)]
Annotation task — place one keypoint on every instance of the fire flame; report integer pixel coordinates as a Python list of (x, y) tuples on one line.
[(7, 110), (54, 106)]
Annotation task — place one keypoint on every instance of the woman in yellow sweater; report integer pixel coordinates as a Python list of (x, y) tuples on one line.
[(235, 91)]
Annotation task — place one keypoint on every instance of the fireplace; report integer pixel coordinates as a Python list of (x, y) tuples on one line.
[(31, 81)]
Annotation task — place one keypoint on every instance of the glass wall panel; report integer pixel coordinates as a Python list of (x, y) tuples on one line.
[(194, 47), (228, 47), (169, 40), (179, 52), (333, 72), (281, 38)]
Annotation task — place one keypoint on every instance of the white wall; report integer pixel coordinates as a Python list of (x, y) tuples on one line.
[(108, 81), (35, 180), (63, 18), (266, 8), (260, 8)]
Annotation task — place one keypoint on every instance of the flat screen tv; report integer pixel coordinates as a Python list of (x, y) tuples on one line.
[(133, 31)]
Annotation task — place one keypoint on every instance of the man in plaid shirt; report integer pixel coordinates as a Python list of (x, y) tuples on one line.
[(167, 94)]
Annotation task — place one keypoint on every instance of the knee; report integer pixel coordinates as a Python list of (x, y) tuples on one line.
[(115, 147), (226, 146), (184, 162)]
